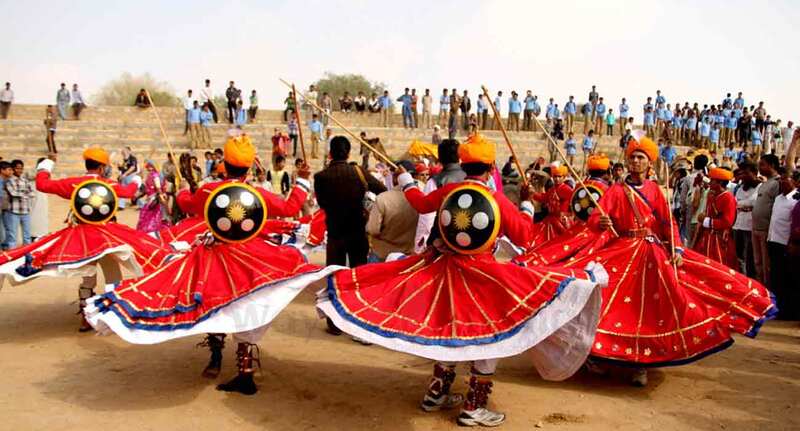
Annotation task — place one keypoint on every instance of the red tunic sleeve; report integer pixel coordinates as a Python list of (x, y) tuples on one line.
[(289, 207), (564, 192), (725, 205), (431, 202), (62, 187)]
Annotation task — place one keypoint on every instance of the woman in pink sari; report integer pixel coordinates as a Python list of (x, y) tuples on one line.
[(151, 215)]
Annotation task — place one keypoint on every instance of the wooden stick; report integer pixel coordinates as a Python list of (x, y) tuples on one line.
[(505, 135), (166, 139), (671, 237), (378, 154), (299, 124), (572, 170)]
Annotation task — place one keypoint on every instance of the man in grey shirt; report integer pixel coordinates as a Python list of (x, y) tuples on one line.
[(62, 101), (762, 211), (451, 169)]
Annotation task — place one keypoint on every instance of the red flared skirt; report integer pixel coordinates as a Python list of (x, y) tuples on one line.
[(652, 316), (718, 245), (578, 240), (548, 229)]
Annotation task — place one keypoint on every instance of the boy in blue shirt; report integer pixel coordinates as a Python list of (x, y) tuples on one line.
[(623, 116), (572, 148), (713, 136), (587, 116), (611, 119), (755, 136), (193, 119), (730, 129), (588, 146), (600, 111), (649, 122), (316, 133), (206, 118), (570, 109), (705, 131)]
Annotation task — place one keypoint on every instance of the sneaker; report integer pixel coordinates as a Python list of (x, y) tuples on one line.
[(639, 378), (443, 402), (480, 416), (361, 341)]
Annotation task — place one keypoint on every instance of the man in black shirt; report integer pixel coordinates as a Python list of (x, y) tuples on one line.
[(233, 95), (340, 190)]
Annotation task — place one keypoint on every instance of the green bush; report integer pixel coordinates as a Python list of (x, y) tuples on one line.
[(335, 85), (122, 91)]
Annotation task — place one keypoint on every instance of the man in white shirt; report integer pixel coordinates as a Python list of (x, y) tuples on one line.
[(6, 97), (188, 103), (778, 237), (77, 101), (311, 95), (207, 98), (786, 137), (427, 100), (745, 193)]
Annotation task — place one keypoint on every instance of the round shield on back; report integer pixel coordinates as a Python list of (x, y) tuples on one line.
[(93, 202), (235, 212), (581, 204), (469, 219)]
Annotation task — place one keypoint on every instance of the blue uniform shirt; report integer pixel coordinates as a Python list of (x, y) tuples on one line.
[(587, 109), (530, 102), (668, 153), (648, 118), (315, 126), (194, 115), (730, 122), (588, 144), (514, 106), (661, 100), (206, 117), (570, 108), (601, 108), (385, 102), (756, 137), (714, 135), (623, 110)]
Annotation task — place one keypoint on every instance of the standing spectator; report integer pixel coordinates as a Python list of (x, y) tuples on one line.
[(77, 101), (427, 102), (730, 129), (455, 105), (666, 155), (193, 121), (550, 112), (360, 102), (253, 109), (514, 108), (610, 121), (154, 200), (762, 212), (62, 101), (142, 101), (587, 117), (291, 126), (405, 99), (241, 114), (498, 103), (326, 103), (311, 95), (649, 122), (40, 220), (315, 126), (50, 124), (600, 114), (444, 108), (280, 142), (466, 106), (128, 172), (777, 240), (233, 95), (527, 117), (713, 136), (745, 193), (188, 104), (278, 177), (570, 109), (572, 148), (756, 138), (623, 116), (6, 98), (6, 172), (340, 190), (207, 98), (593, 99), (19, 192), (761, 118), (392, 222), (786, 136), (588, 147), (744, 127), (414, 101), (385, 103), (206, 116), (482, 110)]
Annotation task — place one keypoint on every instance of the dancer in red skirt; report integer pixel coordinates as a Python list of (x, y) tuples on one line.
[(91, 238), (556, 201), (664, 306), (456, 303), (715, 238), (578, 239), (230, 281)]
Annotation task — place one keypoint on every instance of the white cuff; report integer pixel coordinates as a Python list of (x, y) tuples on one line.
[(404, 179), (707, 222), (46, 165), (304, 183), (527, 208)]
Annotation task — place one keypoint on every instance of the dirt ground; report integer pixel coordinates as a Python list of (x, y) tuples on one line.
[(54, 378)]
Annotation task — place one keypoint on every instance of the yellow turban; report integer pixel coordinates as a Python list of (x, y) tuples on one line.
[(598, 162), (558, 170), (477, 149), (721, 174), (645, 145), (239, 151), (97, 154)]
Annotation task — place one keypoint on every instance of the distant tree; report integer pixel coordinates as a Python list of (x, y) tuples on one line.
[(122, 91), (335, 85)]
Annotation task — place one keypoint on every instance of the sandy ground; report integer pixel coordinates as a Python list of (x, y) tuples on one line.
[(55, 378)]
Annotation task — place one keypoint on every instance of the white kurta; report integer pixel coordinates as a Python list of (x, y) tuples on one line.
[(39, 215)]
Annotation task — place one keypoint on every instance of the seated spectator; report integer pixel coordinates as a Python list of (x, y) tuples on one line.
[(360, 102), (374, 105), (142, 101)]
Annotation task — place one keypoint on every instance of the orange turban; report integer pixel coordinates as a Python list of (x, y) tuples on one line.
[(721, 174), (239, 151), (97, 154), (477, 149), (598, 162), (557, 170), (645, 145)]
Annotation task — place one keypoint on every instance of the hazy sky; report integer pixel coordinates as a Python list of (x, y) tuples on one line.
[(692, 51)]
